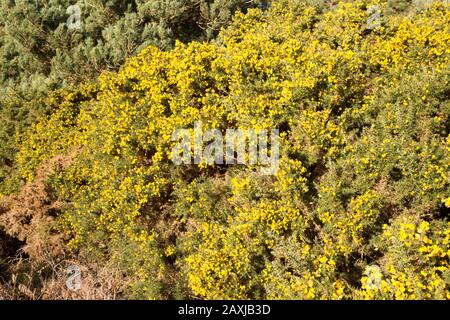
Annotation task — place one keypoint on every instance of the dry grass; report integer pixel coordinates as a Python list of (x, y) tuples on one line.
[(48, 282)]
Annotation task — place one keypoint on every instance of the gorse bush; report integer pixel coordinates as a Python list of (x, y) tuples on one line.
[(42, 48), (359, 206)]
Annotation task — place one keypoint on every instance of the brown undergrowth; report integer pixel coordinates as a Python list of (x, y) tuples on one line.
[(48, 280), (33, 258), (30, 216)]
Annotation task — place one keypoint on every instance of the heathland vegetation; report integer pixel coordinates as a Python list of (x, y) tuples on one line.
[(359, 206)]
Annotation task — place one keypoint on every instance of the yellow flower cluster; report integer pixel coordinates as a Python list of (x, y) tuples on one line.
[(363, 119), (417, 264)]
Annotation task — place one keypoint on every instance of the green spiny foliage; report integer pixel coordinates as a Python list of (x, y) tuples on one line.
[(39, 52), (362, 194)]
